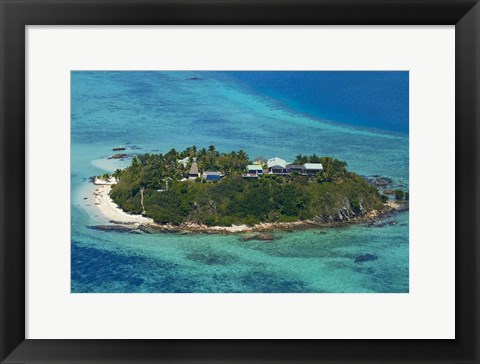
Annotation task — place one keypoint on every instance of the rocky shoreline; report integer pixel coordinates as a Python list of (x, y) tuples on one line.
[(123, 222), (260, 231)]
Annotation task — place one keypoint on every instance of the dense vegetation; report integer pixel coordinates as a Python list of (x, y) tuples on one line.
[(332, 194), (153, 170)]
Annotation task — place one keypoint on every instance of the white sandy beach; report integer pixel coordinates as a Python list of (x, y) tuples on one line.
[(111, 211)]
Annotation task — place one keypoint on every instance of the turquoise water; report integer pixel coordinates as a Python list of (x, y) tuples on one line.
[(157, 111)]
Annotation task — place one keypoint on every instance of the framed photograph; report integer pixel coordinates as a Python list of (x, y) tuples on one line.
[(255, 181)]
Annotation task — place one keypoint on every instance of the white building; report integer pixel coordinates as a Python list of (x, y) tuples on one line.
[(276, 162), (254, 169)]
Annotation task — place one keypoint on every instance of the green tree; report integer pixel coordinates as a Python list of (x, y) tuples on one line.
[(235, 200)]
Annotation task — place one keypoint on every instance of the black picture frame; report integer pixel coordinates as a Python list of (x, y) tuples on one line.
[(16, 14)]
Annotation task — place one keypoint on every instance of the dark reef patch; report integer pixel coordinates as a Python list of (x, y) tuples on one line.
[(365, 270), (210, 258), (365, 258), (99, 271), (112, 228), (259, 281)]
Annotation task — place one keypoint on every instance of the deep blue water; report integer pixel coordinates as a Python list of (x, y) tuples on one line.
[(367, 99), (360, 117)]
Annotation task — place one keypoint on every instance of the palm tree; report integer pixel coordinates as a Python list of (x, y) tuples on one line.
[(172, 153), (314, 158), (242, 155), (135, 163)]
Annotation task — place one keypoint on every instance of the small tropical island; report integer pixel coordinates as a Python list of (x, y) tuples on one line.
[(206, 190)]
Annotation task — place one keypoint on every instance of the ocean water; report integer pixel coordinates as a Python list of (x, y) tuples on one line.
[(360, 117)]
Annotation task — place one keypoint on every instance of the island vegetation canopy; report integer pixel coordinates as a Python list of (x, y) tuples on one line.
[(160, 186)]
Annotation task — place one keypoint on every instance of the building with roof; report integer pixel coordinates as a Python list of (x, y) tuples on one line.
[(193, 173), (212, 175), (254, 170), (276, 162), (295, 168), (277, 166), (281, 167), (277, 169), (311, 169)]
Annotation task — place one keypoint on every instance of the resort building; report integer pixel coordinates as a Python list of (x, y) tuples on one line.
[(254, 170), (212, 176), (193, 173), (276, 162), (307, 169), (277, 166), (295, 168), (278, 170), (311, 169)]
